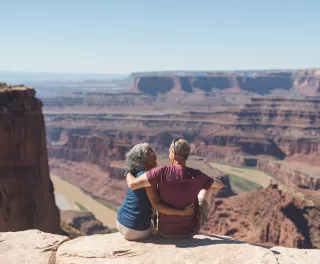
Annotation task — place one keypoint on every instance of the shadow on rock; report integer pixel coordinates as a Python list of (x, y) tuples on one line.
[(191, 242)]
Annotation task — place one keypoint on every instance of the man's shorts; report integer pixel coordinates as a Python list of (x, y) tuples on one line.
[(203, 213)]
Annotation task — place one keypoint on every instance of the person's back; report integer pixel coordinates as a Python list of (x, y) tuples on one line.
[(136, 210), (179, 186)]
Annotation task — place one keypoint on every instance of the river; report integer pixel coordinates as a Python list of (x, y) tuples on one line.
[(68, 196)]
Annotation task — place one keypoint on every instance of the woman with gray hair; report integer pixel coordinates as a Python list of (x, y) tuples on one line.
[(134, 219)]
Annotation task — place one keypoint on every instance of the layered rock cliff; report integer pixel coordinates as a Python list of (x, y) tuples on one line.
[(272, 216), (96, 150), (305, 82), (26, 192), (255, 134)]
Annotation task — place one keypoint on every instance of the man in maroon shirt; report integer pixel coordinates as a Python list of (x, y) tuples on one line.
[(179, 186)]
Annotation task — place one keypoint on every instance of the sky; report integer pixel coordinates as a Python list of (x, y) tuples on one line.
[(117, 36)]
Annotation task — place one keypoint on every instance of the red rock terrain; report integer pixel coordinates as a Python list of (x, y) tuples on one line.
[(270, 216), (280, 136), (26, 192), (270, 134)]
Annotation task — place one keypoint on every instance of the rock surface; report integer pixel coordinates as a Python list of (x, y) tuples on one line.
[(26, 192), (35, 247), (29, 247)]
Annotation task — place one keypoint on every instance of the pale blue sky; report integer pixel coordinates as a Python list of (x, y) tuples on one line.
[(117, 36)]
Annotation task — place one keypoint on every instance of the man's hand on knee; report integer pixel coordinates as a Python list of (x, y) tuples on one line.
[(217, 184)]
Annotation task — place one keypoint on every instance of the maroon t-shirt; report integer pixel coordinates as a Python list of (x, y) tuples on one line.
[(178, 187)]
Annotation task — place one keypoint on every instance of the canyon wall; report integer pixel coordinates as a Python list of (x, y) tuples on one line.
[(306, 82), (261, 132), (272, 216), (26, 192), (292, 173)]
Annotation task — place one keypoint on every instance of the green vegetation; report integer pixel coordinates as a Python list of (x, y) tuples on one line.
[(81, 207), (242, 183), (113, 230)]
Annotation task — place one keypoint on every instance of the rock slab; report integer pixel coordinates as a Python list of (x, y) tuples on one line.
[(30, 246), (34, 246)]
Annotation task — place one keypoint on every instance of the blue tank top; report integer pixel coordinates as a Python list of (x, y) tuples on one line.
[(136, 210)]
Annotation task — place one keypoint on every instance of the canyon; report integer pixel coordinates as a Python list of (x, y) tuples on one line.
[(279, 136), (88, 134)]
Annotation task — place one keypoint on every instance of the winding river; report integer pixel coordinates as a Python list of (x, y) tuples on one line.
[(70, 197)]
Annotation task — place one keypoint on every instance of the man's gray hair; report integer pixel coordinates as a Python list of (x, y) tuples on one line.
[(136, 158), (181, 147)]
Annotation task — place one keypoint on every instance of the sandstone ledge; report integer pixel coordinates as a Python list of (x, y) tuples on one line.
[(33, 246)]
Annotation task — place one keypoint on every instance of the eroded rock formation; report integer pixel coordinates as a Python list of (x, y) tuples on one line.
[(26, 192), (272, 216)]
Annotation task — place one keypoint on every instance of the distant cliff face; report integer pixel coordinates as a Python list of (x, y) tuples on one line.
[(95, 150), (302, 82), (26, 192)]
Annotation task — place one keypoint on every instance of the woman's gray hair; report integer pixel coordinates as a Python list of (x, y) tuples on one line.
[(136, 158)]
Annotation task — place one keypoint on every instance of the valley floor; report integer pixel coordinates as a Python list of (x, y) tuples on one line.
[(68, 194)]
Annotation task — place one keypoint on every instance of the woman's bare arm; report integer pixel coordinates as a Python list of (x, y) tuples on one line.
[(137, 183)]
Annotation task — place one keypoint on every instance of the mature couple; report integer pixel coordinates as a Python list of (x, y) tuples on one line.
[(180, 195)]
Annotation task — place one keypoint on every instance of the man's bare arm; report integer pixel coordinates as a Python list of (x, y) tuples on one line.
[(137, 183), (157, 205), (217, 184)]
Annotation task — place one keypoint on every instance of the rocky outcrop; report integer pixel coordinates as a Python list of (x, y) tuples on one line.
[(292, 175), (29, 247), (26, 192), (75, 224), (305, 82), (272, 216), (113, 248)]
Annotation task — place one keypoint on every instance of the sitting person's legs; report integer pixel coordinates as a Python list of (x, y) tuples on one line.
[(205, 198), (134, 235)]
